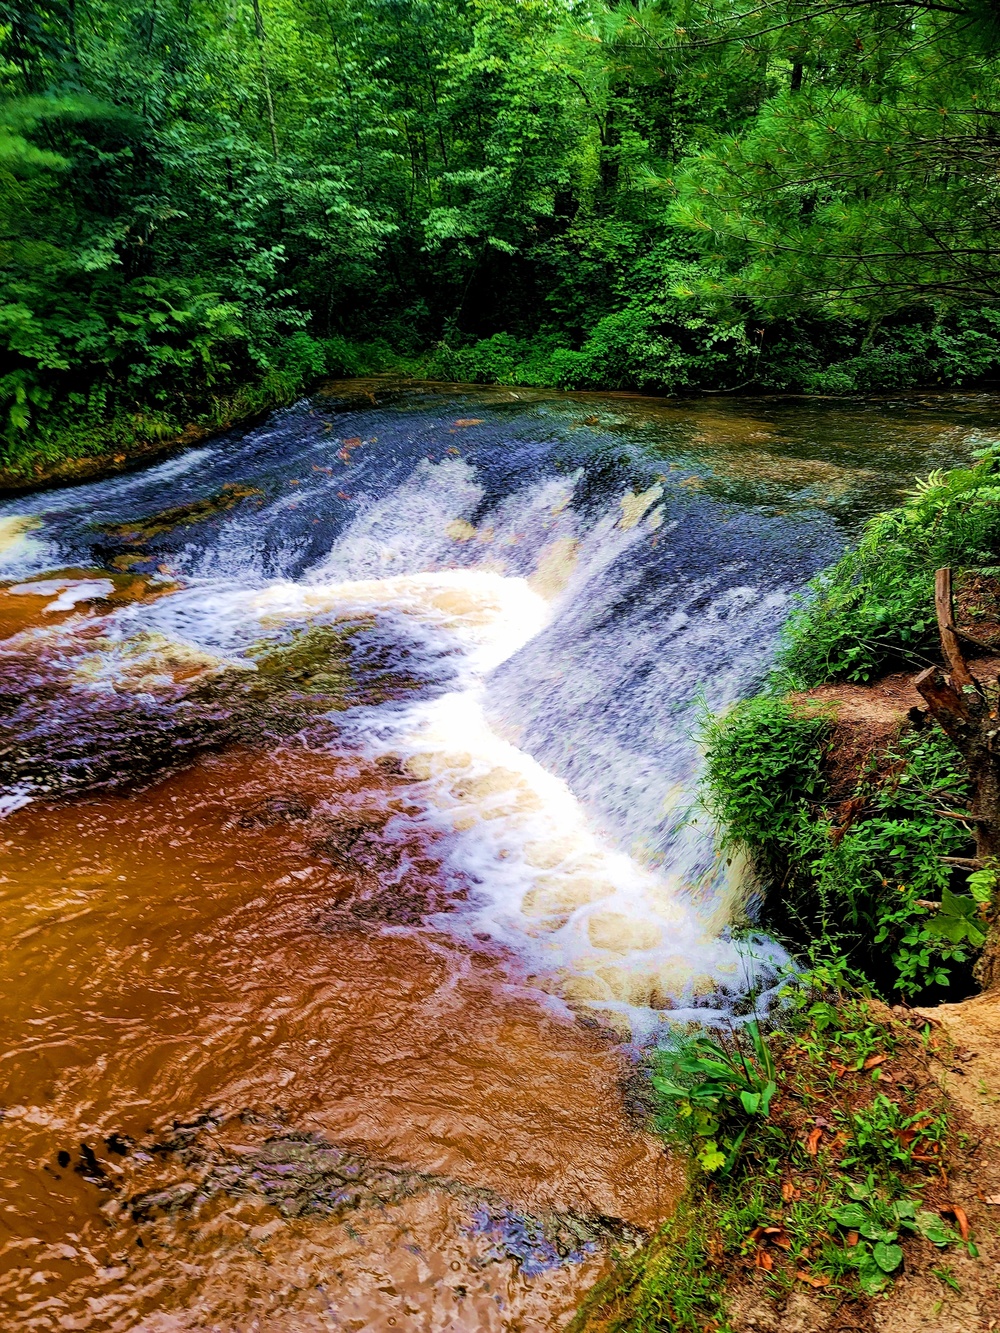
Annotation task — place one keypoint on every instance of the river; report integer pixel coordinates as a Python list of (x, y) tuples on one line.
[(352, 844)]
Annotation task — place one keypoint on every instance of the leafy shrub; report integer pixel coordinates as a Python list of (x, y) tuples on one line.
[(874, 610), (874, 881), (764, 761)]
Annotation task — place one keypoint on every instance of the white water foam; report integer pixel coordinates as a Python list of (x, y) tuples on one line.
[(70, 591), (598, 924), (594, 927), (22, 550)]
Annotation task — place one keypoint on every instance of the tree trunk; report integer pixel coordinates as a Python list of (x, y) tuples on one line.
[(265, 78), (967, 710)]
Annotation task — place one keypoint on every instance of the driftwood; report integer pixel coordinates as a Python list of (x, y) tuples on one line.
[(966, 709)]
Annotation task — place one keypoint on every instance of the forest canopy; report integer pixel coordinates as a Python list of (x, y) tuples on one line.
[(203, 198)]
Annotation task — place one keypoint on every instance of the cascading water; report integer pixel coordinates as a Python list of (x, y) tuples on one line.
[(355, 735), (581, 617)]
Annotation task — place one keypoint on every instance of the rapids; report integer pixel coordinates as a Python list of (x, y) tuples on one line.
[(352, 843)]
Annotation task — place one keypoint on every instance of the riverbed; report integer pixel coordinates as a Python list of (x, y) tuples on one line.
[(353, 851)]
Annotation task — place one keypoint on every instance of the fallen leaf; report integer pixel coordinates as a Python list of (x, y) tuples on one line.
[(763, 1260), (853, 1237), (874, 1060), (839, 1069), (756, 1233), (470, 421), (353, 442), (783, 1240), (814, 1279), (960, 1216), (907, 1136), (789, 1192), (812, 1142), (591, 421), (993, 1200)]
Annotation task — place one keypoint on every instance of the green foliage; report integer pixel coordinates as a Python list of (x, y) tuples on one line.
[(874, 610), (195, 209), (870, 875), (840, 1214), (671, 1283), (879, 1224), (714, 1085), (764, 763), (871, 882), (878, 1135), (840, 192)]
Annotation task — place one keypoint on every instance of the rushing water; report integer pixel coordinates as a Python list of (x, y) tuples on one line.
[(350, 772)]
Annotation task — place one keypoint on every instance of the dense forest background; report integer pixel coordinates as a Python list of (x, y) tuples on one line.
[(206, 204)]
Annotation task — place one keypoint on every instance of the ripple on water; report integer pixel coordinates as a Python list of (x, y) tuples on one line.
[(197, 951)]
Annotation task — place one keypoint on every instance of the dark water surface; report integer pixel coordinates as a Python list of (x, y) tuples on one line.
[(351, 844)]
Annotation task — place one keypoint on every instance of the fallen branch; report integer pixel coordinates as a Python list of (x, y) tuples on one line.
[(977, 643), (961, 676), (967, 711)]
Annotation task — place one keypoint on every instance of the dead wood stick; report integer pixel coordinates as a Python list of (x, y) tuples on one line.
[(970, 862), (976, 643), (957, 814), (947, 705), (960, 674)]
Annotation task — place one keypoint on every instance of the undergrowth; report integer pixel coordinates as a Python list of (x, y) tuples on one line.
[(829, 1172), (117, 423), (873, 611), (864, 868)]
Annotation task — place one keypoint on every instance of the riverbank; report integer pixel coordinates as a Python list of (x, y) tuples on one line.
[(864, 1201), (97, 450), (131, 441)]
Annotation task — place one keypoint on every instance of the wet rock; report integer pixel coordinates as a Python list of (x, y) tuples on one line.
[(303, 1175), (276, 810), (88, 713), (138, 531), (90, 1168)]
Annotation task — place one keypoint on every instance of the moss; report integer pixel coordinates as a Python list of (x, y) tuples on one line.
[(670, 1283), (314, 662)]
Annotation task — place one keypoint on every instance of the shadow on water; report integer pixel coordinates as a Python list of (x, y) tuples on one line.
[(350, 773)]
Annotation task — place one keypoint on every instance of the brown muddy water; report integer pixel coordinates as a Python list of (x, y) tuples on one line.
[(351, 845)]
